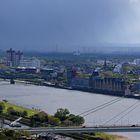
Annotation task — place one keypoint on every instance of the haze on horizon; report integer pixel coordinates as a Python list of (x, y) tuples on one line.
[(67, 25)]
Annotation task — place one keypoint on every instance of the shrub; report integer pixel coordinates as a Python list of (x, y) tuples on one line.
[(77, 120), (54, 121)]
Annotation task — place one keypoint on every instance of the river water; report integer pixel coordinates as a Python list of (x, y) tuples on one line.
[(50, 99)]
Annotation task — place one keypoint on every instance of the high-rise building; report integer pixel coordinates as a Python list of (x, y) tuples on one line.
[(10, 57), (13, 58), (19, 57)]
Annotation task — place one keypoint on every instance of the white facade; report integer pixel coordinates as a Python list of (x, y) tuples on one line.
[(118, 68), (29, 63), (137, 61)]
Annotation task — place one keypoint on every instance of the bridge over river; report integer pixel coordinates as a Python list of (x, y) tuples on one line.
[(82, 130)]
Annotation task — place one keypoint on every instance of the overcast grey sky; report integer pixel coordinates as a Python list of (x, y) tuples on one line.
[(71, 24)]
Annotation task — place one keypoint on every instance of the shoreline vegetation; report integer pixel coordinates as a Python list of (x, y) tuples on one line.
[(38, 118), (11, 112)]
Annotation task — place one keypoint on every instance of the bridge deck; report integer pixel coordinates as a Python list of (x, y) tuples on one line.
[(82, 130)]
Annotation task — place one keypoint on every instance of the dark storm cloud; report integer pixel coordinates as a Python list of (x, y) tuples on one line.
[(41, 24)]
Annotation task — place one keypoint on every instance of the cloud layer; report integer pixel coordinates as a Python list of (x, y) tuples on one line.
[(69, 24)]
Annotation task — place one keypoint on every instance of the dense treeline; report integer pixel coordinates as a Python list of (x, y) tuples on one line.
[(61, 118)]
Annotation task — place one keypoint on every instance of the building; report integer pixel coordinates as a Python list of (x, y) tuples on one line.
[(10, 57), (80, 83), (13, 58), (125, 67), (19, 57), (114, 85), (31, 70), (47, 71), (118, 68), (71, 73), (29, 63), (137, 87), (137, 62)]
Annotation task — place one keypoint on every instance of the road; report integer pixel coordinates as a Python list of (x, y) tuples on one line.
[(82, 130)]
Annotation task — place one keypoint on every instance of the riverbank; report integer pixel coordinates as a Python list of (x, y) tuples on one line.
[(30, 112), (89, 90), (10, 112), (97, 91)]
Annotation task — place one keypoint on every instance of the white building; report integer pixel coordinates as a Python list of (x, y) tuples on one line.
[(118, 68), (137, 61), (29, 63)]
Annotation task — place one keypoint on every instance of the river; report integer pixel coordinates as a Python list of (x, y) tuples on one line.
[(50, 99)]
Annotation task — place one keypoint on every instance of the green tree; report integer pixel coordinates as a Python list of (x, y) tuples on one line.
[(62, 114), (67, 123), (8, 134), (3, 137), (54, 121), (41, 117), (24, 113), (77, 120), (10, 110)]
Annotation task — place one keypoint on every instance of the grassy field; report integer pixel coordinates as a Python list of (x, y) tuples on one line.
[(30, 112)]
